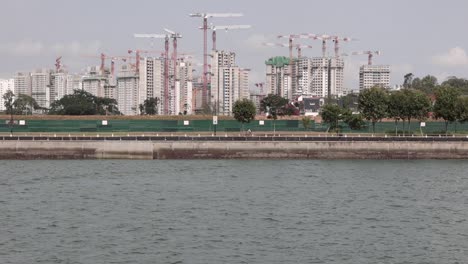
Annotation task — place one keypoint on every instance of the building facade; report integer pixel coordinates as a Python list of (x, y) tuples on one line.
[(321, 67), (278, 79), (151, 81), (5, 85), (372, 75), (22, 83), (42, 87), (229, 82), (127, 91)]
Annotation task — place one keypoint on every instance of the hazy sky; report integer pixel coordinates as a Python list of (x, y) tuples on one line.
[(422, 37)]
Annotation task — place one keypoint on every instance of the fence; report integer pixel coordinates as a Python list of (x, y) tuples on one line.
[(114, 126)]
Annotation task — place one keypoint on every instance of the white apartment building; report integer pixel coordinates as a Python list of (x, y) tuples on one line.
[(5, 85), (74, 82), (229, 83), (93, 82), (185, 87), (303, 77), (319, 76), (151, 81), (41, 87), (372, 75), (22, 83), (60, 85), (278, 79), (127, 91)]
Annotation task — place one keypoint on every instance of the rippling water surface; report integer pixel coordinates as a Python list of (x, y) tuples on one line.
[(233, 211)]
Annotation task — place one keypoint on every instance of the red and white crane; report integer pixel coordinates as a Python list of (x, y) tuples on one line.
[(58, 64), (205, 17), (138, 53), (166, 64), (174, 37), (226, 28), (298, 47), (369, 53)]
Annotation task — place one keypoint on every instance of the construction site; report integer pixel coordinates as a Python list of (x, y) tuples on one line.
[(171, 76)]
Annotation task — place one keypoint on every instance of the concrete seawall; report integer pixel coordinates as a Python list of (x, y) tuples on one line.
[(231, 150)]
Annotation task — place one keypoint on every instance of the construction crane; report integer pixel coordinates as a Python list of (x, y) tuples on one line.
[(336, 40), (369, 53), (226, 28), (166, 65), (298, 47), (58, 64), (205, 17), (174, 37), (138, 56)]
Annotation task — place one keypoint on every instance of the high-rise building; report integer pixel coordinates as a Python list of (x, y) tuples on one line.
[(319, 76), (94, 82), (151, 83), (278, 79), (22, 83), (302, 77), (372, 75), (5, 85), (185, 80), (60, 85), (229, 83), (41, 87), (74, 82), (127, 91)]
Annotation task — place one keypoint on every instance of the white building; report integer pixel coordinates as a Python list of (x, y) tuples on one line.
[(372, 75), (74, 82), (278, 79), (319, 76), (127, 91), (41, 87), (22, 83), (151, 81), (93, 82), (5, 85), (185, 87), (229, 83), (60, 85)]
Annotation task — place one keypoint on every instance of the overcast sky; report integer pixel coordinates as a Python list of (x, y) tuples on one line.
[(422, 37)]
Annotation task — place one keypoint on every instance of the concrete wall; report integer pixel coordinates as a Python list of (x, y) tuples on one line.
[(231, 150)]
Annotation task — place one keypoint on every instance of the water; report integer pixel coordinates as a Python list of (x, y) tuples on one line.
[(233, 212)]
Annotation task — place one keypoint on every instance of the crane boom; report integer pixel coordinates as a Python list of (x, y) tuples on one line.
[(149, 35)]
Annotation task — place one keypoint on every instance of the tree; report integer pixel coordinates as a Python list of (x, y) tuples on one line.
[(427, 84), (9, 98), (244, 111), (416, 105), (273, 105), (83, 103), (459, 83), (373, 104), (461, 108), (306, 122), (25, 104), (408, 79), (354, 121), (445, 105), (396, 108), (331, 114), (149, 106)]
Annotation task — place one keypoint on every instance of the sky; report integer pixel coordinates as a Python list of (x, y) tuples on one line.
[(418, 36)]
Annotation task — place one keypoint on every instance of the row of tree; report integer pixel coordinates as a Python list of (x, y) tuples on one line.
[(407, 105), (19, 105)]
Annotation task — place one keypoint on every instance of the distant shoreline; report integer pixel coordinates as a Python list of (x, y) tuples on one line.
[(179, 147)]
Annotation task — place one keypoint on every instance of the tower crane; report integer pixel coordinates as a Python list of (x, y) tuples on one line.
[(174, 37), (166, 65), (205, 17), (298, 47), (58, 64), (138, 56), (226, 28), (369, 53)]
